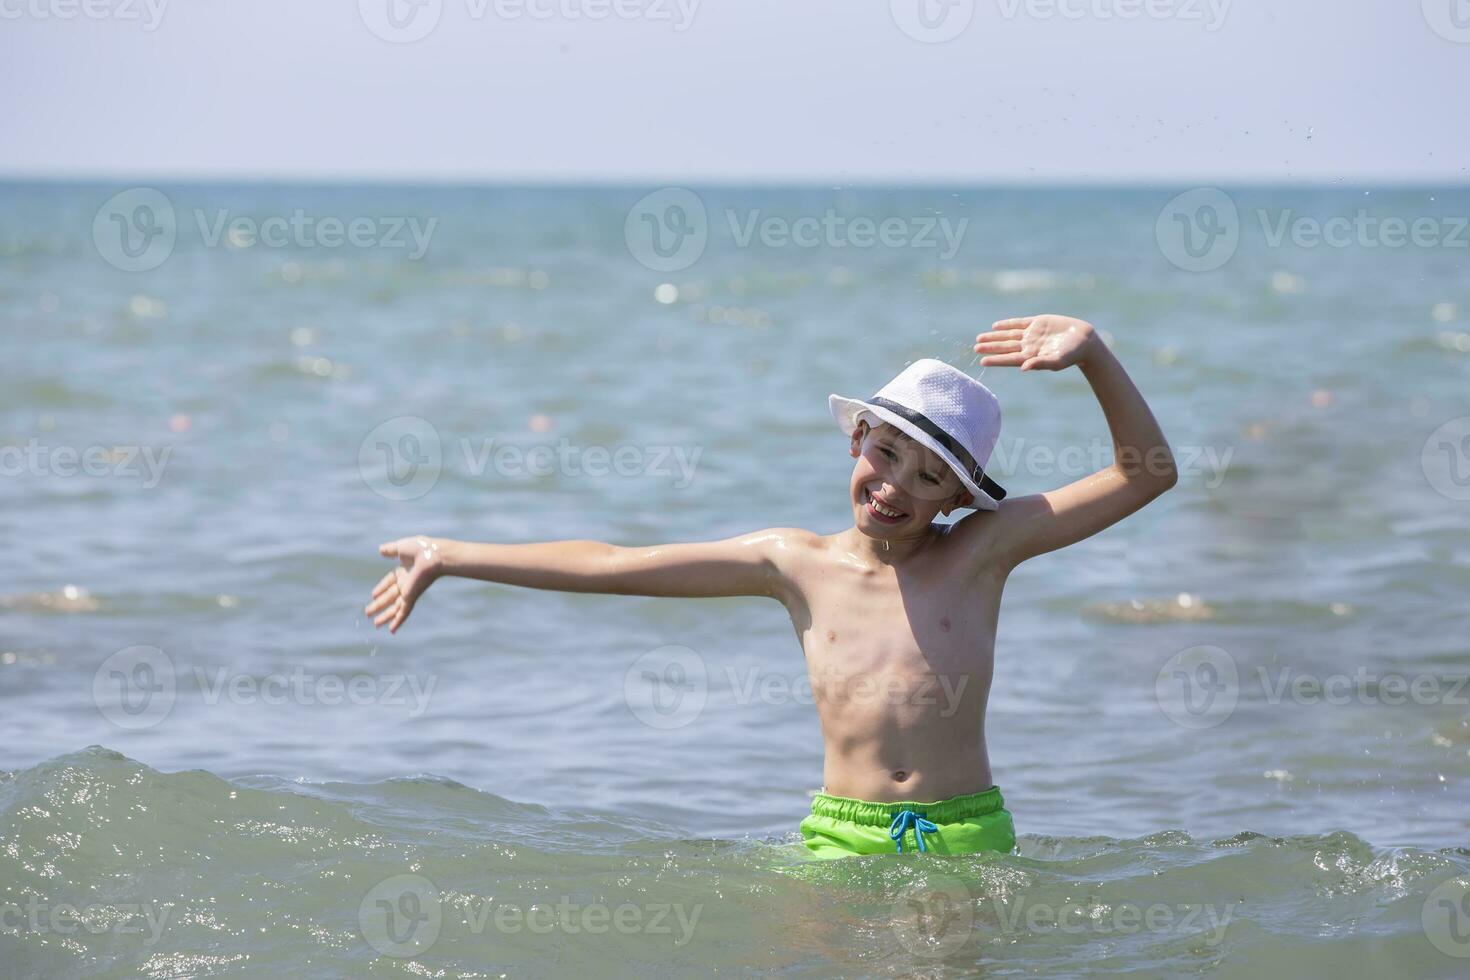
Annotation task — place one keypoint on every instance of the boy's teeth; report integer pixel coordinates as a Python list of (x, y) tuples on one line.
[(885, 511)]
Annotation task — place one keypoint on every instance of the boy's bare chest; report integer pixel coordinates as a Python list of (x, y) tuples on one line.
[(936, 620)]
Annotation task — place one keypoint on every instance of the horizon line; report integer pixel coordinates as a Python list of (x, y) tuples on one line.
[(728, 181)]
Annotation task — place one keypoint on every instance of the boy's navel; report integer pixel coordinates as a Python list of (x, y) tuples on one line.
[(831, 636), (944, 623)]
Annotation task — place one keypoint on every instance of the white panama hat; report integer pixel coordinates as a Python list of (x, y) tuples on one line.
[(943, 409)]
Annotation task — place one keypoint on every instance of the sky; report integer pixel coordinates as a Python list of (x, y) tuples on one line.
[(905, 91)]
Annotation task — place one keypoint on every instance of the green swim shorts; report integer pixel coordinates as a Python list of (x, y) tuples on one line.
[(840, 827)]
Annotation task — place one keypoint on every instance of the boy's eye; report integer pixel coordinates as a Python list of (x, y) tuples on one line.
[(928, 478)]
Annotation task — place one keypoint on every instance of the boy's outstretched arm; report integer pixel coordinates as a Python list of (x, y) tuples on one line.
[(1142, 468), (745, 565)]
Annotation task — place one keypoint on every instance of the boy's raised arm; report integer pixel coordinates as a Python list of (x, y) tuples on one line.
[(1142, 468), (745, 565)]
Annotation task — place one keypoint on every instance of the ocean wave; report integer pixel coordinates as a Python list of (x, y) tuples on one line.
[(67, 599), (110, 867), (78, 600), (1008, 281)]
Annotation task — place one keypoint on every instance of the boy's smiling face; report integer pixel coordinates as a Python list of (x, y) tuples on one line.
[(895, 474)]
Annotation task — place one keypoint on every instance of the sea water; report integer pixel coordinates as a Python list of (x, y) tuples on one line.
[(1233, 730)]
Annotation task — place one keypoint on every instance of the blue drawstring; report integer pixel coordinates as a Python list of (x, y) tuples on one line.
[(909, 820)]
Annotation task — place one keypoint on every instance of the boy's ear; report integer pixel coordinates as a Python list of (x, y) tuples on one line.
[(962, 499), (858, 434)]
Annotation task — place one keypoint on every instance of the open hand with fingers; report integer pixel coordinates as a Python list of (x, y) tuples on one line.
[(1047, 342), (420, 563)]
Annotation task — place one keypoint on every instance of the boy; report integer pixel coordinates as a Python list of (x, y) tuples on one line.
[(892, 611)]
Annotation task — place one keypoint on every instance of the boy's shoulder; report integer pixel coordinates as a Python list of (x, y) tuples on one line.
[(972, 531), (978, 536), (974, 536), (792, 538), (790, 547)]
